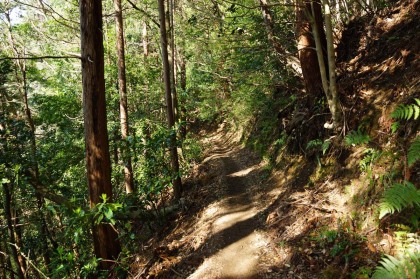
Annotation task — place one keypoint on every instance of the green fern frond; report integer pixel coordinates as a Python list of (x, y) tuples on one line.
[(398, 197), (356, 138), (393, 268), (413, 154), (407, 112), (314, 144)]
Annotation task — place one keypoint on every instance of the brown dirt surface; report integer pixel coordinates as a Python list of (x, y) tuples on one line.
[(221, 234)]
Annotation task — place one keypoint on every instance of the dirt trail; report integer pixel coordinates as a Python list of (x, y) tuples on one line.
[(238, 247)]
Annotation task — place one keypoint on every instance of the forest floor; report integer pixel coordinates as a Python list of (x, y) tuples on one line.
[(221, 233), (244, 220)]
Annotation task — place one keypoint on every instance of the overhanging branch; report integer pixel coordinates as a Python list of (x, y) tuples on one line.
[(41, 57), (144, 12)]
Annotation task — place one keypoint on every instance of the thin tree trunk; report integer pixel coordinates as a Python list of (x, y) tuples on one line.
[(105, 238), (40, 201), (307, 49), (268, 20), (7, 263), (3, 257), (18, 239), (39, 198), (20, 271), (145, 40), (335, 104), (320, 54), (284, 56), (122, 86), (177, 184), (172, 58), (183, 81)]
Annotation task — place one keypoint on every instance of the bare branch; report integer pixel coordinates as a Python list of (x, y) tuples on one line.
[(41, 57), (144, 12)]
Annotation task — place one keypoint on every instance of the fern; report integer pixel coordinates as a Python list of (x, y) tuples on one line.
[(407, 112), (319, 145), (314, 144), (398, 197), (406, 267), (371, 155), (413, 154), (356, 138)]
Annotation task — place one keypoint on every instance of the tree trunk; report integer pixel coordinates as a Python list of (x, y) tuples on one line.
[(268, 20), (35, 172), (285, 58), (105, 238), (335, 103), (177, 184), (307, 49), (172, 58), (183, 83), (328, 80), (20, 271), (122, 86), (18, 239), (8, 262)]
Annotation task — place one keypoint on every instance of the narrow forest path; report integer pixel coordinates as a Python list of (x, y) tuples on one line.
[(244, 220), (222, 234), (237, 246)]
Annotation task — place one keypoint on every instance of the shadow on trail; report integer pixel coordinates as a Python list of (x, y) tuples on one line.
[(237, 199)]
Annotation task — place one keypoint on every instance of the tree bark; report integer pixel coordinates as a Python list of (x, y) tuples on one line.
[(335, 104), (285, 58), (183, 83), (307, 48), (34, 162), (177, 184), (328, 80), (9, 220), (172, 58), (268, 20), (105, 238), (122, 86)]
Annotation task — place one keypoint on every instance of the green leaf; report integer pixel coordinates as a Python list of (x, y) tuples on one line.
[(398, 197), (99, 219), (5, 180), (406, 267), (104, 197), (325, 145), (395, 126), (356, 138), (407, 112), (108, 213), (413, 154)]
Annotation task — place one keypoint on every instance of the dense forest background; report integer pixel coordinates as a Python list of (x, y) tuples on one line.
[(109, 108)]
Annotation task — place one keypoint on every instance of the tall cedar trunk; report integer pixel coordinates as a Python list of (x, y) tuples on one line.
[(122, 85), (307, 49), (170, 114), (98, 163), (20, 271)]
